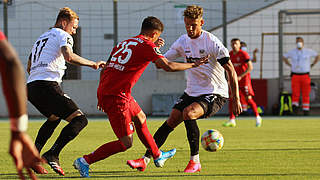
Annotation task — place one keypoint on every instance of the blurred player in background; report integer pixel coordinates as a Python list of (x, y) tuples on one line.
[(300, 78), (46, 67), (243, 66), (243, 47), (127, 62), (207, 87), (22, 149)]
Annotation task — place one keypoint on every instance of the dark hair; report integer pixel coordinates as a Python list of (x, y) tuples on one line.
[(243, 44), (297, 38), (151, 23), (235, 39)]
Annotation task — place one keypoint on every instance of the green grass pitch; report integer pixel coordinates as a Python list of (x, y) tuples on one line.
[(283, 148)]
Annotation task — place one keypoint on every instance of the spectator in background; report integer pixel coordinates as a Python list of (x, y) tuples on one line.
[(243, 66), (243, 46), (300, 79), (22, 150)]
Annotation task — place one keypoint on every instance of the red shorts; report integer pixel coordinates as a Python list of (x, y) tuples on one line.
[(120, 112), (246, 90)]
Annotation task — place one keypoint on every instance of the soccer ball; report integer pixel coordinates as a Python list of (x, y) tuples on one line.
[(212, 140)]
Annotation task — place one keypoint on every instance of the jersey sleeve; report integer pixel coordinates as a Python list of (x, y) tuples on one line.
[(153, 53), (287, 55), (2, 36), (66, 40), (313, 53), (246, 56), (173, 53), (218, 49)]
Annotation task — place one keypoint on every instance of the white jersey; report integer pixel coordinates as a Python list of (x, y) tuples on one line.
[(208, 78), (47, 61), (300, 59)]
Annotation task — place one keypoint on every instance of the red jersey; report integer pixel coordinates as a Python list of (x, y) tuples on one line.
[(2, 36), (239, 62), (127, 62)]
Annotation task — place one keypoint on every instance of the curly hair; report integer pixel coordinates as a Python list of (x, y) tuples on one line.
[(193, 12)]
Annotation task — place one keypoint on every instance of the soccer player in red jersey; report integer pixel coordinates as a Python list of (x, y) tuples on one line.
[(125, 65), (22, 149), (243, 66)]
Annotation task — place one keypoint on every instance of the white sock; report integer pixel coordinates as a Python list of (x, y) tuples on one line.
[(84, 161), (233, 121), (146, 159), (195, 158)]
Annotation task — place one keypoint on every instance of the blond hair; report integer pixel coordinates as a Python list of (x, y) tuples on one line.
[(66, 14), (193, 12)]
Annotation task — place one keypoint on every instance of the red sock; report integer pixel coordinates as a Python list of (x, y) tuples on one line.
[(146, 138), (105, 151), (253, 106), (231, 115)]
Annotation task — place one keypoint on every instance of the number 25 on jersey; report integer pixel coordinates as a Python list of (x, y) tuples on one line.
[(123, 51)]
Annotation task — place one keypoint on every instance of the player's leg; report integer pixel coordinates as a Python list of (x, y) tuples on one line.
[(295, 88), (249, 93), (38, 94), (190, 115), (62, 106), (163, 131), (244, 103), (145, 137), (305, 81), (46, 130), (232, 118), (120, 120), (159, 137), (204, 106)]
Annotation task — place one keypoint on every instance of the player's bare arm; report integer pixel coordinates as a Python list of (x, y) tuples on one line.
[(75, 59), (248, 70), (22, 149), (29, 64), (234, 88), (286, 61), (170, 66), (254, 58), (13, 78), (315, 60)]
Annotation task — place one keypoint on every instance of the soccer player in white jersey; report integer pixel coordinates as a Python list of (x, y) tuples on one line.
[(207, 87), (46, 66)]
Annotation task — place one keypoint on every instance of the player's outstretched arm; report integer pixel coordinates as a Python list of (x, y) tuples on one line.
[(169, 66), (234, 88), (75, 59), (22, 149)]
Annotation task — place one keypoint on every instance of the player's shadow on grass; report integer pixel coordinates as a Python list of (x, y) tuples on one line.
[(283, 149), (168, 174), (173, 174)]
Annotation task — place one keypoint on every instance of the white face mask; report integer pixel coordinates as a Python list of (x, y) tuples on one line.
[(244, 48), (299, 45)]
